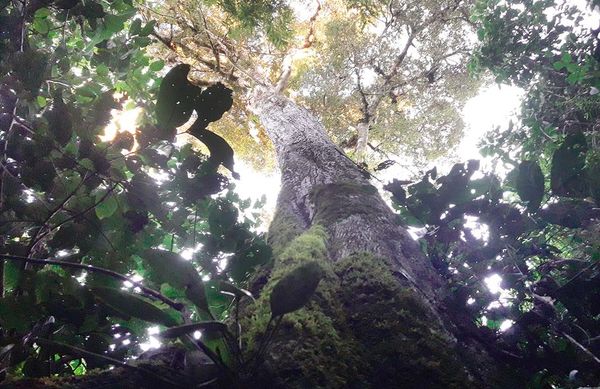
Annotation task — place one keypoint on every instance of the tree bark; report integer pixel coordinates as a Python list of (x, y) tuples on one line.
[(328, 211)]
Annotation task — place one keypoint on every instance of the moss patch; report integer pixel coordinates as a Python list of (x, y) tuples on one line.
[(403, 344), (360, 330)]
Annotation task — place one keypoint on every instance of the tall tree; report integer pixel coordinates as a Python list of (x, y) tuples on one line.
[(383, 314)]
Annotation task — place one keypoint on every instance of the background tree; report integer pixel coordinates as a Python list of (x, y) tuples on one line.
[(364, 68)]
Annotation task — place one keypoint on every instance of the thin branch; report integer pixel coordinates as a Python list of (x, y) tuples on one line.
[(100, 270), (88, 354), (582, 347)]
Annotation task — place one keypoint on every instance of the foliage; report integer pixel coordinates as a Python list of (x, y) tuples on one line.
[(536, 229), (85, 215), (546, 257), (543, 47)]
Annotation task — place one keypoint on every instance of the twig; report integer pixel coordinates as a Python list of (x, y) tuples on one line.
[(107, 272), (582, 347), (89, 354)]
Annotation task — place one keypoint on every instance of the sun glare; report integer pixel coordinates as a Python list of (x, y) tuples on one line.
[(121, 121)]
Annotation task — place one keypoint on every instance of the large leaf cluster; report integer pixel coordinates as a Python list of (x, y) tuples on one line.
[(80, 215), (547, 258)]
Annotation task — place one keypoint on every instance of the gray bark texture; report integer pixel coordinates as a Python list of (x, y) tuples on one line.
[(309, 164)]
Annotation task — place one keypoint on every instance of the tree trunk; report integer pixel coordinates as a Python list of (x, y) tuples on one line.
[(378, 316)]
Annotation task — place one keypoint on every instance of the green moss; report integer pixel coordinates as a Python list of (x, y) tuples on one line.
[(360, 330), (404, 346), (311, 347), (334, 202), (283, 229)]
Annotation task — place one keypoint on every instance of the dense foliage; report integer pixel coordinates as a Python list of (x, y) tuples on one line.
[(86, 216), (92, 225), (538, 228)]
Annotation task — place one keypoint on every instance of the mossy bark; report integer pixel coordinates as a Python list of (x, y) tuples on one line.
[(378, 317)]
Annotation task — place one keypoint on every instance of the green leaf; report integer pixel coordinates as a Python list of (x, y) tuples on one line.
[(169, 267), (102, 70), (142, 41), (196, 293), (41, 25), (136, 27), (41, 101), (87, 163), (42, 13), (530, 184), (130, 304), (157, 65), (208, 326), (558, 65), (295, 289), (115, 23), (148, 28), (107, 207)]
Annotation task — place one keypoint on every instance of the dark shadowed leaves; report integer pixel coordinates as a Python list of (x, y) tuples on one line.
[(59, 120), (175, 101), (220, 151), (212, 103), (295, 289), (204, 326), (530, 184), (567, 175), (129, 304), (169, 267)]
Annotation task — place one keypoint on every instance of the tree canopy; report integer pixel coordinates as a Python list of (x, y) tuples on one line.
[(94, 227)]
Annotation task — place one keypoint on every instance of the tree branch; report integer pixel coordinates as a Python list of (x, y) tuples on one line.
[(107, 272)]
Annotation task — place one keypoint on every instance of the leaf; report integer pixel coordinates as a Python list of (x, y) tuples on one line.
[(130, 304), (208, 326), (196, 293), (157, 65), (567, 176), (169, 267), (115, 23), (60, 123), (41, 101), (93, 10), (107, 207), (398, 192), (41, 25), (220, 151), (228, 287), (530, 184), (212, 103), (295, 289), (136, 27), (148, 28), (175, 99), (42, 13)]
